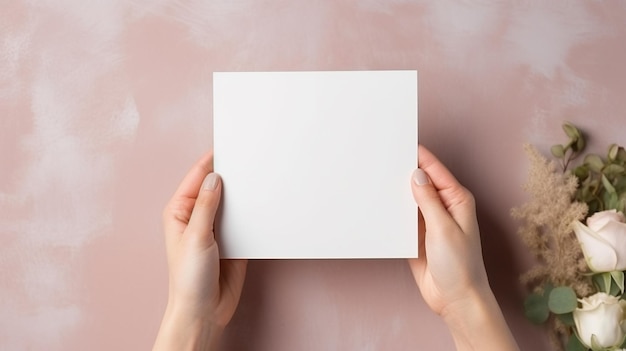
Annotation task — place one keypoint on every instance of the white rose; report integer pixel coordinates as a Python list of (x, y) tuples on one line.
[(603, 241), (601, 315), (602, 218)]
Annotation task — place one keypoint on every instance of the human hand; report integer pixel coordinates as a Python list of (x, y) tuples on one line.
[(203, 290), (450, 263), (450, 272)]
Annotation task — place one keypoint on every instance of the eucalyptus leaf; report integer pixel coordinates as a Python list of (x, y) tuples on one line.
[(580, 144), (607, 185), (571, 130), (536, 308), (621, 155), (613, 169), (611, 201), (558, 151), (562, 300), (582, 172), (613, 149), (594, 162)]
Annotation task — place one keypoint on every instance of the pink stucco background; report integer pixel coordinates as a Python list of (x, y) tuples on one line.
[(105, 104)]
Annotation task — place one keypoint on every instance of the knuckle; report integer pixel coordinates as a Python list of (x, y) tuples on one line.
[(468, 197), (460, 196), (176, 211)]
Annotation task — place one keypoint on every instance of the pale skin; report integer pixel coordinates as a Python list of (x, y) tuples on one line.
[(204, 291)]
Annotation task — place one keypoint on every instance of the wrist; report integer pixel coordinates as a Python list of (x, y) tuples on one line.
[(476, 303), (476, 322), (187, 332)]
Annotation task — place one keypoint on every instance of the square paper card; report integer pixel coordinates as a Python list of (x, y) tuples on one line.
[(316, 164)]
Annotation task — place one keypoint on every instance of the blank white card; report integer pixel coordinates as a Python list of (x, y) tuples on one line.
[(316, 164)]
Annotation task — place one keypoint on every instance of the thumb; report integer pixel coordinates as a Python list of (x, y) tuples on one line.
[(203, 215), (428, 199)]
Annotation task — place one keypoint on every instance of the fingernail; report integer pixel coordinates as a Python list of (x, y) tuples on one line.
[(420, 177), (210, 182)]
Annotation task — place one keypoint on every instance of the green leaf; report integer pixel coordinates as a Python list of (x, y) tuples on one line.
[(621, 155), (613, 170), (607, 279), (571, 130), (562, 300), (610, 201), (582, 172), (613, 149), (580, 144), (618, 278), (594, 162), (536, 308), (598, 282), (607, 185), (595, 184), (574, 344), (586, 193), (615, 291), (595, 344), (603, 282), (558, 151)]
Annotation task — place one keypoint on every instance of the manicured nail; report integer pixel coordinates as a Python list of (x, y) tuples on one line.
[(420, 177), (210, 182)]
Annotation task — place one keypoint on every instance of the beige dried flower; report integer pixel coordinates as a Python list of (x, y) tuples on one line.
[(546, 230)]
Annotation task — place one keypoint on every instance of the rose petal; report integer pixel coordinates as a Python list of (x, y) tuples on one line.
[(599, 254), (614, 233), (600, 219)]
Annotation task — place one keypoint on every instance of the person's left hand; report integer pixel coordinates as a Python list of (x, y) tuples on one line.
[(203, 290)]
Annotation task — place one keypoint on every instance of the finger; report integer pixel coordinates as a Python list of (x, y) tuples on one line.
[(178, 211), (200, 225), (188, 188), (427, 198), (441, 178), (456, 199)]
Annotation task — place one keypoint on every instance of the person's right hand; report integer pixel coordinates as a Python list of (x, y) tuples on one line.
[(450, 272), (203, 289), (451, 263)]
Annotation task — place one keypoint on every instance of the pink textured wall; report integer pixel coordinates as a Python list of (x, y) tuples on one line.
[(105, 104)]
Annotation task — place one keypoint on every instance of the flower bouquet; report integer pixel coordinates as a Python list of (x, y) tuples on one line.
[(575, 227)]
